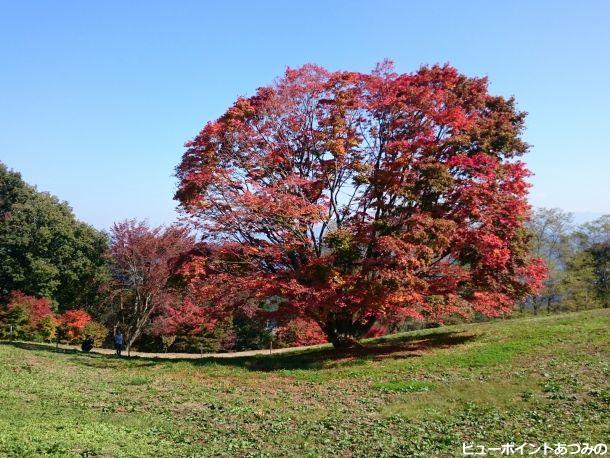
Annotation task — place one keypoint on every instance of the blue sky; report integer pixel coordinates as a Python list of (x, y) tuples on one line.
[(97, 98)]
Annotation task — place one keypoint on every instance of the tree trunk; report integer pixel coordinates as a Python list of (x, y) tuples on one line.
[(344, 332), (132, 339), (137, 327)]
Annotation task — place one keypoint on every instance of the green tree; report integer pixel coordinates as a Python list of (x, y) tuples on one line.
[(44, 250), (14, 322), (594, 239), (601, 264), (577, 284)]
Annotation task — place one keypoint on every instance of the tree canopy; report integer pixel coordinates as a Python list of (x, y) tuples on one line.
[(141, 266), (578, 260), (350, 197), (44, 249)]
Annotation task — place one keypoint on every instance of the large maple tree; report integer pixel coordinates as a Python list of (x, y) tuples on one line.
[(345, 198)]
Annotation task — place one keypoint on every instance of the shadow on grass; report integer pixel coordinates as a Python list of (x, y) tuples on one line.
[(409, 346), (321, 358), (43, 347), (80, 357)]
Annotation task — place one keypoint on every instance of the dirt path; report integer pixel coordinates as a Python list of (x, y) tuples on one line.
[(238, 354)]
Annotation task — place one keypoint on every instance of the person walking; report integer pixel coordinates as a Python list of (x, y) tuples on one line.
[(118, 342)]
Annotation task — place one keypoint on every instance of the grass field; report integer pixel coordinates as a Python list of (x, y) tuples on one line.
[(542, 379)]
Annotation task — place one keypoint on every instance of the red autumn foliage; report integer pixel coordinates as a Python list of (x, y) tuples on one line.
[(72, 323), (141, 265), (181, 318), (299, 332), (355, 197), (36, 308)]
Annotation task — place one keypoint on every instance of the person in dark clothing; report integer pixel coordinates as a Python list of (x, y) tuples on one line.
[(87, 344), (118, 343)]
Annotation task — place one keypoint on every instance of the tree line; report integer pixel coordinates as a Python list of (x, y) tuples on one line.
[(61, 280), (578, 261), (328, 206)]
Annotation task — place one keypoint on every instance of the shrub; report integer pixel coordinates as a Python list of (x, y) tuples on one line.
[(98, 331), (14, 322), (47, 328), (167, 341), (27, 317), (72, 325)]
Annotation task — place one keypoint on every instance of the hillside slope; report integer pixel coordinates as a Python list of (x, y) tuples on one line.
[(535, 380)]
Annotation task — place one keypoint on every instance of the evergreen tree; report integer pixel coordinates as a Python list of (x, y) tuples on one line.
[(44, 249)]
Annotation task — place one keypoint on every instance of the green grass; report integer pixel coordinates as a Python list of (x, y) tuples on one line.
[(404, 386), (543, 379)]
